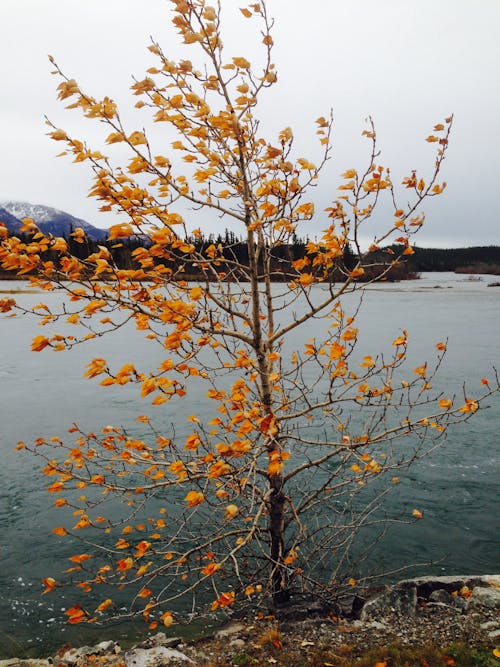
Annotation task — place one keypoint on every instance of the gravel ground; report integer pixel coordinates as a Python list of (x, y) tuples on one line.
[(311, 642), (434, 624)]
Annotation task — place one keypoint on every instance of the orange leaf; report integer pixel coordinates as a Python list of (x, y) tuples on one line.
[(76, 614), (124, 564), (104, 605), (292, 555), (80, 558), (39, 343), (224, 600), (211, 568), (194, 498), (49, 584), (144, 593)]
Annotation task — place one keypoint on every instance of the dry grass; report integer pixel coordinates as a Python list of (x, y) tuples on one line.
[(459, 655)]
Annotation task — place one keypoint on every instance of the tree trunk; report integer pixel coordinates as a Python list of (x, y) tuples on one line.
[(279, 579)]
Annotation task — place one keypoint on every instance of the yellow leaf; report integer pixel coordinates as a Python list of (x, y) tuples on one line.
[(120, 231), (59, 135), (209, 14), (231, 511), (417, 514), (246, 12), (470, 406), (195, 293), (115, 137), (402, 340), (167, 619), (242, 63)]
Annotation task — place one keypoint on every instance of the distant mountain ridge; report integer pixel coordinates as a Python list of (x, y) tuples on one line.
[(49, 220), (11, 222)]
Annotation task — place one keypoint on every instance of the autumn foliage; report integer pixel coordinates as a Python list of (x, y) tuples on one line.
[(262, 492)]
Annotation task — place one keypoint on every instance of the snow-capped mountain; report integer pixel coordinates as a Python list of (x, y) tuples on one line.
[(11, 222), (49, 220)]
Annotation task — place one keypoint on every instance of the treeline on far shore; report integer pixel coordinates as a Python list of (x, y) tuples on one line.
[(478, 259)]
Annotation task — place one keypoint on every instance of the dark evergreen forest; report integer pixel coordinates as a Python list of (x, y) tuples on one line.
[(477, 259)]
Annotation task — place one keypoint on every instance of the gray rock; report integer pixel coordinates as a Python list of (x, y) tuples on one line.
[(237, 643), (228, 630), (494, 634), (460, 603), (303, 606), (488, 625), (160, 639), (441, 595), (376, 625), (400, 599), (108, 647), (154, 657), (73, 655), (427, 585), (489, 597), (492, 580)]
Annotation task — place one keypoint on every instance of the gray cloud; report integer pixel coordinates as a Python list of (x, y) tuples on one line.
[(407, 64)]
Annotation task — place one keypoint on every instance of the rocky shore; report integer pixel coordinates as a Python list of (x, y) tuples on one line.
[(437, 611)]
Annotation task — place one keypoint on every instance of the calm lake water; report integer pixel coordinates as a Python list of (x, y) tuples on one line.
[(42, 394)]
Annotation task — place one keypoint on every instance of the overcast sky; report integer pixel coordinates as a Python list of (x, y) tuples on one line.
[(407, 64)]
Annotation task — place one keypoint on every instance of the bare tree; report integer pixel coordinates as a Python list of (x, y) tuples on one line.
[(295, 442)]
